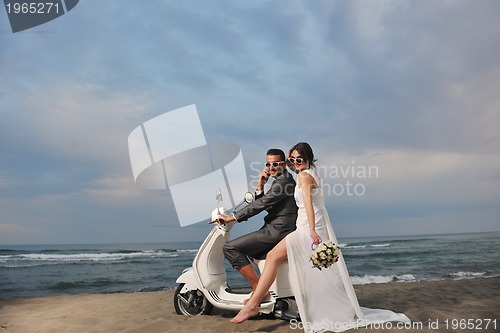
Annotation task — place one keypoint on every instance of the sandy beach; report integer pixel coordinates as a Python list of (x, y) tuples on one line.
[(433, 306)]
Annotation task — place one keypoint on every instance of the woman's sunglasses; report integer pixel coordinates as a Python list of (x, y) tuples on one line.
[(299, 160), (274, 164)]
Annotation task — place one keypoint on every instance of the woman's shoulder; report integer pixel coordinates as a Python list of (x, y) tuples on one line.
[(312, 172), (307, 176)]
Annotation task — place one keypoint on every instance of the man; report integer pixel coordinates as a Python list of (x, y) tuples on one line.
[(280, 205)]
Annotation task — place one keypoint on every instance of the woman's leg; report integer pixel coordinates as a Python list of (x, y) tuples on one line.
[(275, 257)]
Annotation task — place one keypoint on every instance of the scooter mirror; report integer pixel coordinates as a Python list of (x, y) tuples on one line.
[(218, 196), (249, 197)]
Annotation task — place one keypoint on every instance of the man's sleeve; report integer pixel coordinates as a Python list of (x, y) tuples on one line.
[(278, 191)]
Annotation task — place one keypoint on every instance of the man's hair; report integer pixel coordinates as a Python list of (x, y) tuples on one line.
[(276, 151)]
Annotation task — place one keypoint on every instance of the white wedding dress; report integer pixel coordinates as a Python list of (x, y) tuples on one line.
[(326, 298)]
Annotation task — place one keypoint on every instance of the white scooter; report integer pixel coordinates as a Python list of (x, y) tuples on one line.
[(203, 286)]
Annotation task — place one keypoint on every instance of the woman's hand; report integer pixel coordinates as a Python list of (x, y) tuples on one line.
[(315, 237)]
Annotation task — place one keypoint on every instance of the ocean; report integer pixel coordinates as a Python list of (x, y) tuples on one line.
[(43, 270)]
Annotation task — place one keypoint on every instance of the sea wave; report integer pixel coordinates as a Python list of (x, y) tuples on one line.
[(35, 259), (188, 251), (464, 275), (32, 270), (364, 246), (367, 279), (355, 246), (395, 254)]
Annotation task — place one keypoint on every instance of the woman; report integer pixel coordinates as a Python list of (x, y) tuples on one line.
[(326, 298)]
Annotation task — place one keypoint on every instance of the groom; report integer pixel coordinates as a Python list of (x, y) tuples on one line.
[(280, 205)]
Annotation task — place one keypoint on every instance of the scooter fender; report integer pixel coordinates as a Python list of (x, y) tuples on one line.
[(189, 279)]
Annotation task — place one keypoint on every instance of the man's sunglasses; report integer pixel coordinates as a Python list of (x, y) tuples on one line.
[(274, 164), (299, 160)]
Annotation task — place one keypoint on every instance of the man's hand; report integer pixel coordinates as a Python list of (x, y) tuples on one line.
[(263, 177), (223, 219)]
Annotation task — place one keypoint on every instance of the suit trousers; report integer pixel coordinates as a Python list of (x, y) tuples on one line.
[(238, 250)]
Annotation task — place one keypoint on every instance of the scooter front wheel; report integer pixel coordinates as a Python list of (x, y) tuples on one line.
[(191, 303)]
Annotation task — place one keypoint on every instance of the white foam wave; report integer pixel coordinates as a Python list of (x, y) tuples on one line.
[(188, 251), (355, 246), (466, 275), (366, 279), (381, 245), (365, 246), (78, 257)]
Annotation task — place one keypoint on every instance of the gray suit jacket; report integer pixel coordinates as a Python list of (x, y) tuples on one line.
[(280, 205)]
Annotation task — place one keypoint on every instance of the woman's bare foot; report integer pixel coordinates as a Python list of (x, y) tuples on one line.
[(244, 314)]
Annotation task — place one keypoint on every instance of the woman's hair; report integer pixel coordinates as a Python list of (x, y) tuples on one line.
[(305, 150)]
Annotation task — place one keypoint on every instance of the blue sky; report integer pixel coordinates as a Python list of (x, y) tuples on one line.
[(410, 88)]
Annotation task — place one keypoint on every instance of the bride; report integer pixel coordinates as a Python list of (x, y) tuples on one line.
[(325, 298)]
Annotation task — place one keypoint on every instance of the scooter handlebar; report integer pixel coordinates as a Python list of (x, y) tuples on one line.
[(217, 220)]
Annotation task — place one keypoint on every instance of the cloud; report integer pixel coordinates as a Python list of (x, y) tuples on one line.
[(399, 63), (409, 186), (410, 88)]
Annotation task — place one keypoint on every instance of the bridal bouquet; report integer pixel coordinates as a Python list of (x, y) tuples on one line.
[(324, 255)]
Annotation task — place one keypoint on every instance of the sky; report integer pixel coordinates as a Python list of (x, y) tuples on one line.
[(399, 100)]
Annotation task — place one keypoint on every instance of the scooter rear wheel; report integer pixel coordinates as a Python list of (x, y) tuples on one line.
[(191, 303)]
